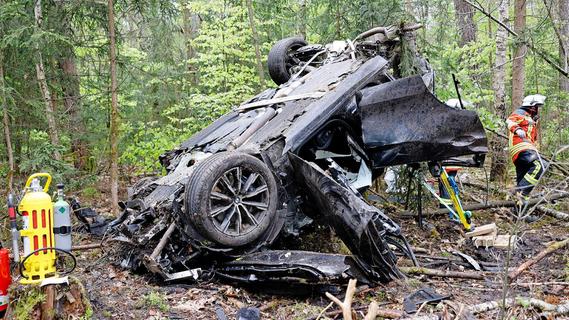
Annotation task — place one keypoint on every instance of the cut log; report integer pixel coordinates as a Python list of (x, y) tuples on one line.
[(504, 241), (486, 229), (443, 273), (484, 241), (547, 251)]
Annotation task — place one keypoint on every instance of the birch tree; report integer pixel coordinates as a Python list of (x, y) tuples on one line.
[(498, 146), (42, 82)]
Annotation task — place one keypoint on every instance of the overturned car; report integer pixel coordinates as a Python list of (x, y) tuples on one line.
[(299, 154)]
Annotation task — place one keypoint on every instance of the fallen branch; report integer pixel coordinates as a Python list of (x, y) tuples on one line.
[(491, 204), (382, 313), (346, 305), (86, 247), (547, 251), (443, 273), (561, 309), (456, 260), (553, 213)]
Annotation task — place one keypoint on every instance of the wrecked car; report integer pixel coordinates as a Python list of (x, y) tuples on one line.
[(295, 155)]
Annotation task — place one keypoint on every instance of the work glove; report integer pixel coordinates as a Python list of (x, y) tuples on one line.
[(520, 133)]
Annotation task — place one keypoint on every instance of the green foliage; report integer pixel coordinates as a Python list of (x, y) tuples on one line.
[(38, 157), (173, 83), (154, 300), (28, 300), (90, 192)]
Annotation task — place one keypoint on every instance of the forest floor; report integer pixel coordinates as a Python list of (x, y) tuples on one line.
[(120, 294)]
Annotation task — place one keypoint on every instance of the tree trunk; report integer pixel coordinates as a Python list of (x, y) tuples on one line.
[(71, 93), (256, 43), (465, 22), (6, 123), (564, 42), (302, 24), (40, 71), (191, 27), (518, 65), (114, 130), (338, 17), (497, 145)]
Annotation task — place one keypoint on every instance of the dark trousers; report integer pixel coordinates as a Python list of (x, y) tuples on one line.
[(529, 170)]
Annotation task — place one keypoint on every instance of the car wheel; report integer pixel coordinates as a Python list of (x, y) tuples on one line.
[(280, 60), (231, 198)]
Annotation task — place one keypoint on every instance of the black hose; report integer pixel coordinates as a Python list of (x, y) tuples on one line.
[(49, 248)]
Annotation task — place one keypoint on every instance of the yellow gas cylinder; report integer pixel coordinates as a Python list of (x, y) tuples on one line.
[(36, 209)]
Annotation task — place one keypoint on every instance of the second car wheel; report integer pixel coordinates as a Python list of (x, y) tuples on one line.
[(231, 198), (281, 61)]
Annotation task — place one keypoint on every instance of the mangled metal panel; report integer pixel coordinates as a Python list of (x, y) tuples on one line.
[(362, 227), (319, 112), (402, 122), (292, 267)]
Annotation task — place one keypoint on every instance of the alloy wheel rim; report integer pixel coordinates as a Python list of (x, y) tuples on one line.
[(239, 200)]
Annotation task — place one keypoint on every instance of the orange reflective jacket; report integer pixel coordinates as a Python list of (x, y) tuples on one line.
[(521, 119)]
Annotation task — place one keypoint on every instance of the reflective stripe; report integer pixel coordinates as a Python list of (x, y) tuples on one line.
[(537, 169), (532, 177), (521, 147), (529, 179)]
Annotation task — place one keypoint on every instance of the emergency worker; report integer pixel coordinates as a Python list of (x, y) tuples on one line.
[(522, 126)]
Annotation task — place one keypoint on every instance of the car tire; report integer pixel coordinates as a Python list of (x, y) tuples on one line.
[(231, 198), (279, 60)]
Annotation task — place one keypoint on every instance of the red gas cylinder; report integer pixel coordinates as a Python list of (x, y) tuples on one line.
[(5, 280)]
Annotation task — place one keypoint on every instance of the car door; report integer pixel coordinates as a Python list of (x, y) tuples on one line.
[(403, 122)]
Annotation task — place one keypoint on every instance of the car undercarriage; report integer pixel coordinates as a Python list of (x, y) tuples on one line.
[(293, 156)]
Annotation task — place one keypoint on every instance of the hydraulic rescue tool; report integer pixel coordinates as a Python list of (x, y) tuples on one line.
[(454, 206)]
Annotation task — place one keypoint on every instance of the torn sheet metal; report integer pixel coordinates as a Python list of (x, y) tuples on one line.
[(320, 112), (402, 122), (362, 227), (291, 269), (320, 150)]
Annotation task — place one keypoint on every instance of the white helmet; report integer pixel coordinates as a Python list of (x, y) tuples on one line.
[(533, 100), (455, 103)]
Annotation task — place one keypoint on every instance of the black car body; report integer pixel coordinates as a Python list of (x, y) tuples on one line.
[(295, 155)]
